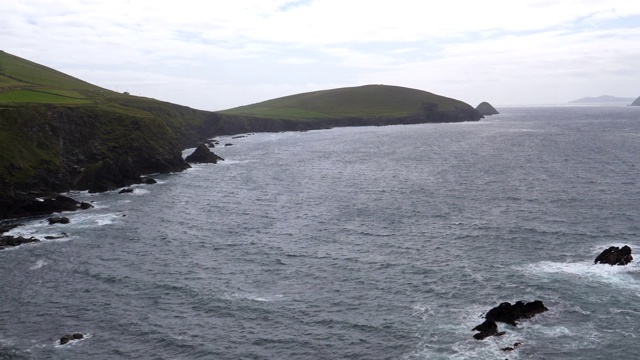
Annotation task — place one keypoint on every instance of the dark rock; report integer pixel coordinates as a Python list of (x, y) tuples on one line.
[(68, 337), (228, 144), (54, 237), (10, 241), (486, 109), (615, 256), (150, 181), (28, 205), (5, 228), (125, 190), (510, 314), (85, 206), (511, 348), (486, 329), (58, 220), (202, 154), (239, 136)]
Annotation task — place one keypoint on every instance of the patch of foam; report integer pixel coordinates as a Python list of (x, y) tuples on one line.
[(614, 275), (38, 265), (253, 297)]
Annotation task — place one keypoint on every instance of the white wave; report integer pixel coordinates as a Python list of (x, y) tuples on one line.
[(253, 297), (38, 265), (622, 276)]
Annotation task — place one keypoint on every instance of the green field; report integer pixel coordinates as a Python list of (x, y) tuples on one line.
[(43, 97)]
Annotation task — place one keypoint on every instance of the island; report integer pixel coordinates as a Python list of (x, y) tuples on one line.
[(603, 99), (486, 109), (636, 102), (60, 133)]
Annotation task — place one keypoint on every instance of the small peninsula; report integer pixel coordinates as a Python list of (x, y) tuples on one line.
[(60, 133)]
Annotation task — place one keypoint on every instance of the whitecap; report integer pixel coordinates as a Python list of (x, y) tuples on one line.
[(38, 265), (587, 271), (253, 297)]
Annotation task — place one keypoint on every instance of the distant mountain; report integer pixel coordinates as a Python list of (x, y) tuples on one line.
[(601, 99)]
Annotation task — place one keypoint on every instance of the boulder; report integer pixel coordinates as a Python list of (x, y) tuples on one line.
[(510, 314), (486, 109), (55, 237), (150, 181), (202, 154), (615, 256), (58, 220), (125, 190)]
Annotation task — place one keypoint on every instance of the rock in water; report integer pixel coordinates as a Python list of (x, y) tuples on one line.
[(58, 220), (486, 109), (615, 256), (486, 329), (202, 154), (510, 314)]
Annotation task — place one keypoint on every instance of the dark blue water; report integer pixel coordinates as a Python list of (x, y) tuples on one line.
[(353, 243)]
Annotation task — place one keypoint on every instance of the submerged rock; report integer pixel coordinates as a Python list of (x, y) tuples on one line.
[(615, 256), (125, 190), (68, 337)]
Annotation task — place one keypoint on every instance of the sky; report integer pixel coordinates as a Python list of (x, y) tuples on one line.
[(215, 55)]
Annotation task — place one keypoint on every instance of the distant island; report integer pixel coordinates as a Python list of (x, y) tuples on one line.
[(603, 99), (59, 133), (486, 109), (636, 102)]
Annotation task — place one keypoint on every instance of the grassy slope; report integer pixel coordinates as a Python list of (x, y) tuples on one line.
[(363, 101), (51, 122)]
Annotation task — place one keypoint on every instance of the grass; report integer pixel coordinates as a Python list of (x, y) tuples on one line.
[(42, 97), (364, 101)]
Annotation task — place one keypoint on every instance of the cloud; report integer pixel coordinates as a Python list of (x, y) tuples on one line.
[(457, 46)]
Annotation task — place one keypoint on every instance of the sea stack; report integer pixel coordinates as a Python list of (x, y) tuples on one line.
[(486, 109), (636, 102)]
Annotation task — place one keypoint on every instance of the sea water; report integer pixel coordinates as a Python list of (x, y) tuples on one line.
[(350, 243)]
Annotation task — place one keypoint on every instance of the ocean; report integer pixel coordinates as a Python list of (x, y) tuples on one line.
[(350, 243)]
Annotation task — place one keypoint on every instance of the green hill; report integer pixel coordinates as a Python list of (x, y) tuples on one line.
[(369, 101), (57, 131)]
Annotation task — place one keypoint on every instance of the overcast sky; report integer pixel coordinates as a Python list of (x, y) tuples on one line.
[(215, 55)]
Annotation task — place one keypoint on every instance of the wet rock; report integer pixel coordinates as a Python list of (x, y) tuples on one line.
[(58, 220), (510, 314), (5, 228), (11, 241), (511, 348), (55, 237), (125, 191), (68, 337), (202, 154), (228, 144), (615, 256), (486, 329), (150, 181)]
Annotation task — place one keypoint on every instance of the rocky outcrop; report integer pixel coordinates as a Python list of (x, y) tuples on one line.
[(615, 256), (636, 102), (202, 154), (486, 109), (11, 241), (29, 205), (509, 314)]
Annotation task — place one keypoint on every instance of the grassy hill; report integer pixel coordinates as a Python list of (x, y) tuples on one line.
[(54, 128), (380, 101)]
